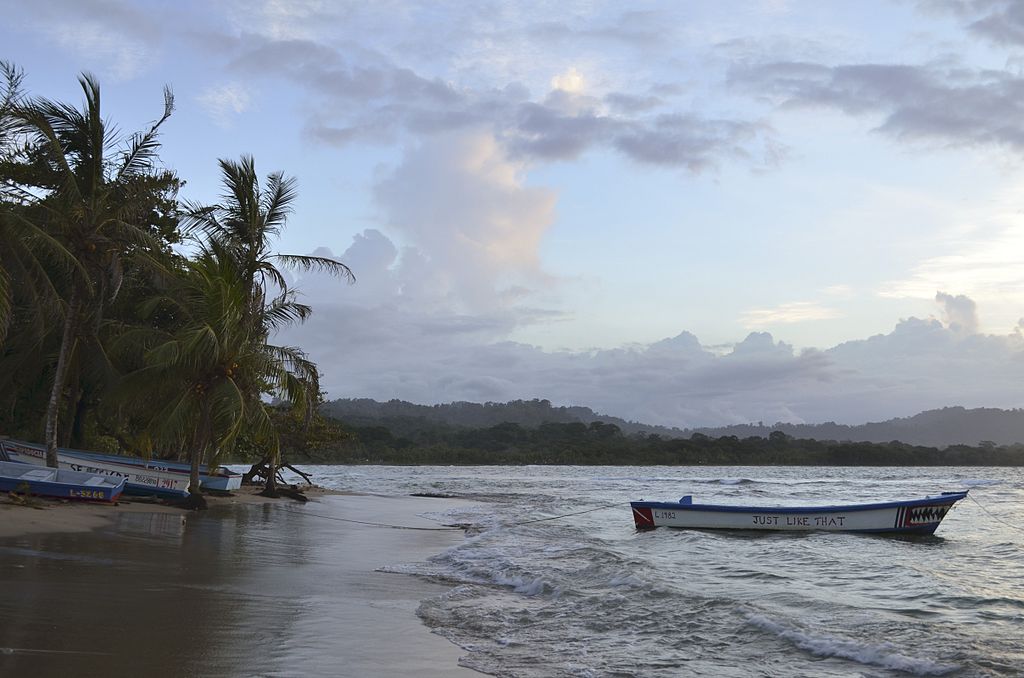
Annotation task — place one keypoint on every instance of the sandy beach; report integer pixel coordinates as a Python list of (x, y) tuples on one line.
[(251, 587)]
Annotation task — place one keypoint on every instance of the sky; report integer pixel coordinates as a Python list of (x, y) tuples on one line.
[(683, 213)]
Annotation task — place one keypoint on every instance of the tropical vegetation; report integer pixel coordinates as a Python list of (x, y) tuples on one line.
[(111, 288), (420, 441)]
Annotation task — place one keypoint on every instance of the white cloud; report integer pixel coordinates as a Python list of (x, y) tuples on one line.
[(224, 102), (960, 312), (977, 253), (793, 312), (399, 334), (123, 57), (986, 269), (462, 203), (570, 81)]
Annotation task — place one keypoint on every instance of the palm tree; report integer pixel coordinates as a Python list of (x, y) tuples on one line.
[(242, 228), (210, 374), (94, 182), (25, 248)]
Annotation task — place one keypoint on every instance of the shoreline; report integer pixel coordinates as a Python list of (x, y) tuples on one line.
[(41, 515), (311, 572)]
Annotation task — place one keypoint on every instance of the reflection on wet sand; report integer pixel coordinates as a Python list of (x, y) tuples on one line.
[(238, 591)]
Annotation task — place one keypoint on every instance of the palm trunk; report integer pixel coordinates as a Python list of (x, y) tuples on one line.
[(202, 440), (193, 474), (195, 500), (67, 347)]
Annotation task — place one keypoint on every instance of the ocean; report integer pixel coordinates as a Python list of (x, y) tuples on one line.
[(588, 595)]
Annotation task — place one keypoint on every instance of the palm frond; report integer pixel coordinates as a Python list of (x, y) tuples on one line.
[(284, 311), (276, 202), (320, 264), (141, 152)]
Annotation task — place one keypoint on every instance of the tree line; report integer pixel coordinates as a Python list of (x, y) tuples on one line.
[(132, 320), (421, 441)]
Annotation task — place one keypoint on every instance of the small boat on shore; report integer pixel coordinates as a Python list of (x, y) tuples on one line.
[(915, 516), (143, 477), (60, 483)]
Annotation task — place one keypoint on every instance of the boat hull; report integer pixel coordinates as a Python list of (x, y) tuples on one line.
[(59, 483), (919, 516), (223, 480), (139, 479)]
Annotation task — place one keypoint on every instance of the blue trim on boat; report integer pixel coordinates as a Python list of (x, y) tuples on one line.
[(155, 464), (61, 483), (939, 500)]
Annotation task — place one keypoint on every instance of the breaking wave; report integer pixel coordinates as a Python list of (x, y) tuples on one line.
[(883, 655)]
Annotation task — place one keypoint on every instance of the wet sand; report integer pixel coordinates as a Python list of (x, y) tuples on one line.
[(247, 588)]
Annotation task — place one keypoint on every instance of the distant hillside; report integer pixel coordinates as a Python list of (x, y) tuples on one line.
[(935, 428), (527, 413)]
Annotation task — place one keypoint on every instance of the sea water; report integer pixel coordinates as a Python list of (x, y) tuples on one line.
[(588, 595)]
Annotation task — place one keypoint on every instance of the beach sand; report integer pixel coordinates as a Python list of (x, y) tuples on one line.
[(250, 587)]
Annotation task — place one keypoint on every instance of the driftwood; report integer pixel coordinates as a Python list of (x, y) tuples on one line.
[(274, 484)]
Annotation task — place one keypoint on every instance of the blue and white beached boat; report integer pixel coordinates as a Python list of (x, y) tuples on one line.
[(915, 516), (144, 477), (61, 483)]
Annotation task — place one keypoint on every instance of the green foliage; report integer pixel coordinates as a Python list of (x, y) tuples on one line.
[(109, 335), (604, 444)]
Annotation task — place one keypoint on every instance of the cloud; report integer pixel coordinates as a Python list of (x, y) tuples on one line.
[(368, 96), (692, 142), (569, 81), (462, 203), (936, 103), (985, 268), (793, 312), (369, 74), (960, 312), (224, 102), (1000, 21), (397, 333), (115, 37), (639, 30)]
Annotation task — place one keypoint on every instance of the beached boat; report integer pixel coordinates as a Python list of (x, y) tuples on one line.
[(915, 516), (143, 477), (220, 478), (52, 482)]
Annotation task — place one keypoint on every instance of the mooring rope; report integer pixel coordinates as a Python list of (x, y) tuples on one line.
[(994, 516), (363, 522), (446, 528), (566, 515)]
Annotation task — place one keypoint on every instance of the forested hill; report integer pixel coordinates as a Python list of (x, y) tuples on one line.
[(402, 417), (935, 428)]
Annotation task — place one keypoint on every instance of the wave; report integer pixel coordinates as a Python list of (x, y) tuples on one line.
[(823, 645), (979, 482), (664, 479)]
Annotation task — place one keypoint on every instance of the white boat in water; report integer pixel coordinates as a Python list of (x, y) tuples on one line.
[(915, 516), (142, 477)]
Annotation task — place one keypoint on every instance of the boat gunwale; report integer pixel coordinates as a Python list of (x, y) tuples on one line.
[(942, 499), (152, 464), (60, 488)]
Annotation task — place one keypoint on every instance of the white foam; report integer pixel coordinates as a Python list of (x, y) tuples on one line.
[(979, 482), (822, 645), (626, 580), (528, 587)]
